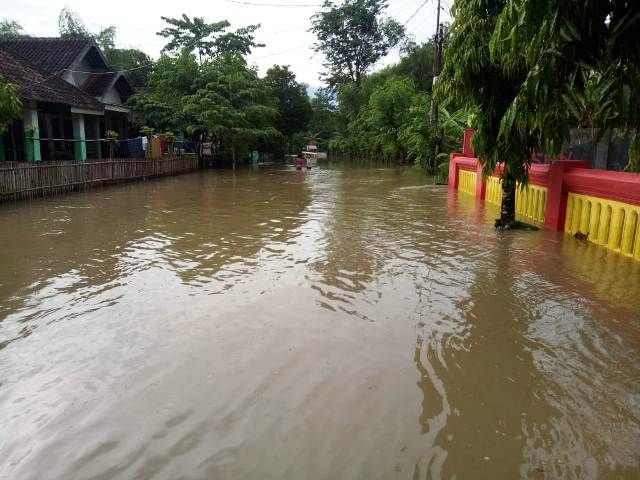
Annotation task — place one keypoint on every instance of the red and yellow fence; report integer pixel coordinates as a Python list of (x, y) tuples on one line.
[(600, 206)]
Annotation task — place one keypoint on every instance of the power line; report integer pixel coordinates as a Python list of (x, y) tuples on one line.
[(416, 12), (283, 5), (110, 72), (279, 53)]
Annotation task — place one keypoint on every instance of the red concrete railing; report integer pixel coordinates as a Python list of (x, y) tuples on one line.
[(559, 178), (620, 186)]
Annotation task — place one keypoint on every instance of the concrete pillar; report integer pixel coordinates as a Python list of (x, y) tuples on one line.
[(467, 149), (556, 210), (31, 134), (481, 184), (96, 125), (453, 172), (79, 144)]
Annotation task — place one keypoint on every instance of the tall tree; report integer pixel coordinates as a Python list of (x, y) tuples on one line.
[(232, 104), (294, 107), (475, 78), (386, 113), (70, 25), (171, 80), (353, 36), (137, 64), (10, 29), (515, 60), (207, 39), (106, 38), (590, 60), (323, 116)]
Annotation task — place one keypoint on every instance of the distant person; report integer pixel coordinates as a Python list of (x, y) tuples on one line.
[(299, 161)]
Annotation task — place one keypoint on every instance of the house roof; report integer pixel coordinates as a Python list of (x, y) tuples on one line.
[(54, 54), (97, 83), (33, 83)]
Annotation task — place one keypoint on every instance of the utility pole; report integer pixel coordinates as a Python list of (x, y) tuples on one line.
[(437, 64)]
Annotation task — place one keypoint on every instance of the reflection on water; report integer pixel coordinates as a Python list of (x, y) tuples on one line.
[(330, 324)]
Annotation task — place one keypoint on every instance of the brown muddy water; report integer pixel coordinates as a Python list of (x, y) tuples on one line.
[(335, 324)]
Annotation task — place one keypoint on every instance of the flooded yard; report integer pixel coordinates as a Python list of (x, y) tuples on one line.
[(335, 324)]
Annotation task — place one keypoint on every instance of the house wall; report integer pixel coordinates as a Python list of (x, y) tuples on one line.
[(77, 77), (600, 206), (112, 96)]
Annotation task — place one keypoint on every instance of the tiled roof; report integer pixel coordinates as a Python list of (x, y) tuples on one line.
[(96, 83), (50, 54), (35, 84)]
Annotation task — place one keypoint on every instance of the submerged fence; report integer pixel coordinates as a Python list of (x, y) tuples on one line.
[(600, 206), (28, 180)]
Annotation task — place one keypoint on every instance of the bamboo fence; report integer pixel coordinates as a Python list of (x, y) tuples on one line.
[(20, 181)]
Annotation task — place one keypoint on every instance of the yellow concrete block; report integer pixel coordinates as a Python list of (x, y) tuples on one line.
[(612, 224)]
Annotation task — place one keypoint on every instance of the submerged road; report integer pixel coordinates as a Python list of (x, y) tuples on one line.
[(332, 324)]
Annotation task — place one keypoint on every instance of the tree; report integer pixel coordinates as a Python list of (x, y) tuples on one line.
[(590, 60), (10, 105), (10, 29), (207, 39), (522, 64), (70, 25), (137, 64), (232, 104), (353, 37), (322, 124), (416, 62), (387, 112), (172, 79), (473, 77), (106, 38), (294, 107)]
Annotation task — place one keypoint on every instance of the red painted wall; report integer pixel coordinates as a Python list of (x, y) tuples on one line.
[(560, 178)]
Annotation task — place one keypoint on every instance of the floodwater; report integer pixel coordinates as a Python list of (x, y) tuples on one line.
[(332, 324)]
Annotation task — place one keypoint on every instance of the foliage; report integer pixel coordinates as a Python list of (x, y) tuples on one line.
[(389, 118), (10, 29), (535, 69), (172, 79), (323, 121), (353, 37), (232, 103), (136, 64), (207, 39), (70, 25), (106, 38), (593, 56), (416, 63), (10, 105), (111, 135), (147, 131), (387, 114), (294, 107)]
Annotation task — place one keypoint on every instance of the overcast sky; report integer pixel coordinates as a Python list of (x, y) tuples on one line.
[(284, 29)]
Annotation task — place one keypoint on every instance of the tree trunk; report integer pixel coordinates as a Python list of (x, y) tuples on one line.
[(508, 205)]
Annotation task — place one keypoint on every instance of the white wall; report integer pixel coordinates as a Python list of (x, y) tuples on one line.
[(112, 96), (76, 78)]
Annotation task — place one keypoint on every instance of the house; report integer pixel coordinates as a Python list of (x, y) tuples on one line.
[(71, 97)]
